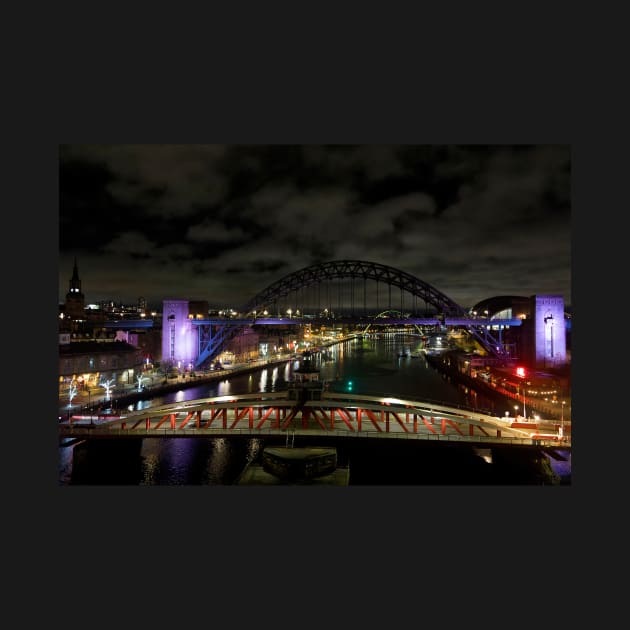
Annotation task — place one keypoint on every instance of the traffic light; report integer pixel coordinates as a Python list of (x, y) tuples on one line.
[(349, 386)]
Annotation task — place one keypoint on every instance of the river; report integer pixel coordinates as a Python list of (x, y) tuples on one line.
[(364, 366)]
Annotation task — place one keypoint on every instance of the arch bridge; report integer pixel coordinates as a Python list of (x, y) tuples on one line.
[(347, 291)]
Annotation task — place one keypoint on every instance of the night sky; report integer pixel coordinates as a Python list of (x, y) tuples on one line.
[(222, 222)]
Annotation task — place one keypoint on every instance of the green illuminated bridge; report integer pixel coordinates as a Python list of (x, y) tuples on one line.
[(313, 412)]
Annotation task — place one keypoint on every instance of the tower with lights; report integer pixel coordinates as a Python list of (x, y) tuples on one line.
[(550, 346), (180, 339)]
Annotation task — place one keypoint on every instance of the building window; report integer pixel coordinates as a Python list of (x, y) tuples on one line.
[(172, 339)]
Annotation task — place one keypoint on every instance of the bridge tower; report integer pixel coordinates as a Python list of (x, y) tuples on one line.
[(180, 339), (550, 346), (544, 333)]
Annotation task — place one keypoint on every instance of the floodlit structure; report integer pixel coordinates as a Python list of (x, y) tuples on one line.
[(542, 340), (180, 339)]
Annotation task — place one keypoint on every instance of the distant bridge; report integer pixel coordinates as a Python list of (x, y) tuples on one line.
[(381, 321), (314, 283), (126, 324)]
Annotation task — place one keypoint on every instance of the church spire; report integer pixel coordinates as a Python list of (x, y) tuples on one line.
[(75, 300), (75, 283), (75, 271)]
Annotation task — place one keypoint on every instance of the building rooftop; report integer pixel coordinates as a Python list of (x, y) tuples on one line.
[(91, 347)]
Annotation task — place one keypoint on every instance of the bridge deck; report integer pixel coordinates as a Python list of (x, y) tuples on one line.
[(333, 414)]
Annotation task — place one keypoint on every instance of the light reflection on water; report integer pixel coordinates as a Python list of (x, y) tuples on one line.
[(219, 460), (186, 461), (254, 447), (175, 460), (65, 464), (561, 468), (151, 454)]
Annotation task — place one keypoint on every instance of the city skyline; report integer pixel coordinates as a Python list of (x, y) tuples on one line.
[(222, 222)]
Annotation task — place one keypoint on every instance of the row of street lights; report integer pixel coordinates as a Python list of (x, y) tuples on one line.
[(560, 430)]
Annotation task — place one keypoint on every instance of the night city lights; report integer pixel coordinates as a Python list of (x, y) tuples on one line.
[(314, 314)]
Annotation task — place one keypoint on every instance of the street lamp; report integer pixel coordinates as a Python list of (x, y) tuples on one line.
[(515, 411), (289, 311), (562, 420)]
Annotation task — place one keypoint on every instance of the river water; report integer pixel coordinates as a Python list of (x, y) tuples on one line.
[(369, 366)]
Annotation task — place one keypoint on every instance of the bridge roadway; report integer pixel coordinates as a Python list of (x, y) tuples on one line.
[(378, 321), (331, 414), (298, 321)]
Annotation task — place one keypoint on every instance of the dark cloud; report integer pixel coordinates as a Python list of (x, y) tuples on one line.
[(222, 222)]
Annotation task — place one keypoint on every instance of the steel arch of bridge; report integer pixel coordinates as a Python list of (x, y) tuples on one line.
[(314, 274), (354, 269)]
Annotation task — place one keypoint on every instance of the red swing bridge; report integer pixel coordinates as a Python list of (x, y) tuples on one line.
[(315, 413)]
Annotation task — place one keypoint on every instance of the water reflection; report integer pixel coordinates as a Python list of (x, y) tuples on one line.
[(254, 447), (150, 453), (218, 462), (65, 464), (262, 383)]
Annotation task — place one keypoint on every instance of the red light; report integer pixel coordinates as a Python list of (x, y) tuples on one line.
[(520, 371)]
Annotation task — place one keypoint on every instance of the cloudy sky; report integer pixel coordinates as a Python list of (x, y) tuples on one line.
[(223, 222)]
